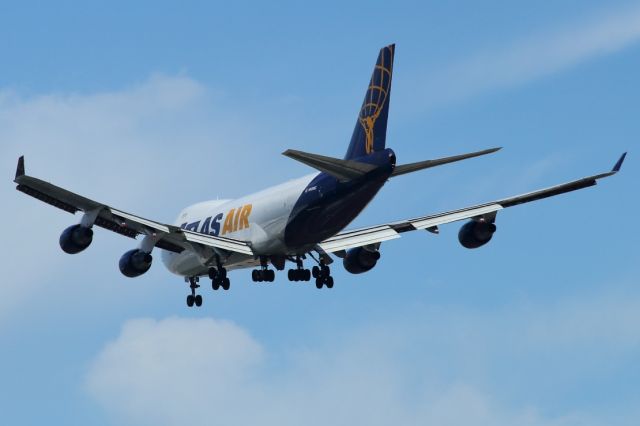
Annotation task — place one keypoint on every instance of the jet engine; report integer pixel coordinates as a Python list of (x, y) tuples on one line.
[(76, 238), (360, 259), (135, 263), (474, 234)]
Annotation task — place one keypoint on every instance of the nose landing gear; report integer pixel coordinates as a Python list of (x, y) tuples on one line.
[(193, 298)]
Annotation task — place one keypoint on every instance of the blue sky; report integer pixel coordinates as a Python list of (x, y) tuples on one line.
[(153, 106)]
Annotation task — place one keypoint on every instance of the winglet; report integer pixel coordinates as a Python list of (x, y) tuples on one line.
[(20, 168), (616, 168)]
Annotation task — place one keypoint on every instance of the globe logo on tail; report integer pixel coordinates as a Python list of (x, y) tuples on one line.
[(376, 97)]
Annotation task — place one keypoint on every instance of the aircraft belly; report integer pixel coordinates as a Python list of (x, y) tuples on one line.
[(188, 264), (185, 263)]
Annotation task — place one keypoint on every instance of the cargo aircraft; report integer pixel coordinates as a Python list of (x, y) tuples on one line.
[(297, 221)]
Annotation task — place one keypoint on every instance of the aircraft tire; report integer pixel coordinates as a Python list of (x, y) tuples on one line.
[(329, 282), (213, 273)]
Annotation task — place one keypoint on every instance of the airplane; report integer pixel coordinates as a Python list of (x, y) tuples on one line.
[(299, 220)]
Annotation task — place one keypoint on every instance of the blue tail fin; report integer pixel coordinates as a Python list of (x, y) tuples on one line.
[(371, 128)]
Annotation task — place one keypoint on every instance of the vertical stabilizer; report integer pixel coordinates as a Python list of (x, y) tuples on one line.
[(370, 132)]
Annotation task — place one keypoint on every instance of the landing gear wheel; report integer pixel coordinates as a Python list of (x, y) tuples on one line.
[(329, 282), (215, 284), (319, 282), (299, 275), (225, 284), (315, 271), (198, 300), (263, 274), (193, 285), (213, 273)]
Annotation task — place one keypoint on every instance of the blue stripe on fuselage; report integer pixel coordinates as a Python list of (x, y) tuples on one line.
[(327, 206)]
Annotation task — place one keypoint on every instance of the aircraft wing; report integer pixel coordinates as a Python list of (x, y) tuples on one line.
[(377, 234), (169, 237)]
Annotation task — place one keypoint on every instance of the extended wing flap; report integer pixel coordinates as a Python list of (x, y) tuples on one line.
[(359, 238), (219, 242), (441, 219), (138, 221)]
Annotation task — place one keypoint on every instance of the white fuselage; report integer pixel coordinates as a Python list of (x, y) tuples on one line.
[(259, 219)]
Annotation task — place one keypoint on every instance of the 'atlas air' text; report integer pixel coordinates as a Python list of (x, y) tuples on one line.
[(234, 220)]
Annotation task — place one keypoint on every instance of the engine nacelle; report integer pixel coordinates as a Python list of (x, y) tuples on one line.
[(360, 259), (474, 234), (135, 263), (75, 238)]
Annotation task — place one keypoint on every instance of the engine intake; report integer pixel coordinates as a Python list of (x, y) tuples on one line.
[(360, 259), (474, 234), (135, 263), (75, 238)]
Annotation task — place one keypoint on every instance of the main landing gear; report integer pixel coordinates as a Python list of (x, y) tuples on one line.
[(299, 274), (194, 298), (264, 273), (219, 278), (322, 274)]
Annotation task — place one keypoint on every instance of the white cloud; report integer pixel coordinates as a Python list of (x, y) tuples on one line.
[(536, 56), (426, 369), (170, 371)]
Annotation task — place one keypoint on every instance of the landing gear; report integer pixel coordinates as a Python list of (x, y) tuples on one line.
[(193, 298), (323, 277), (299, 274), (264, 274), (219, 278)]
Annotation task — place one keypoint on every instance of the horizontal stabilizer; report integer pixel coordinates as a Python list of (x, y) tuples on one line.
[(414, 167), (343, 170)]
